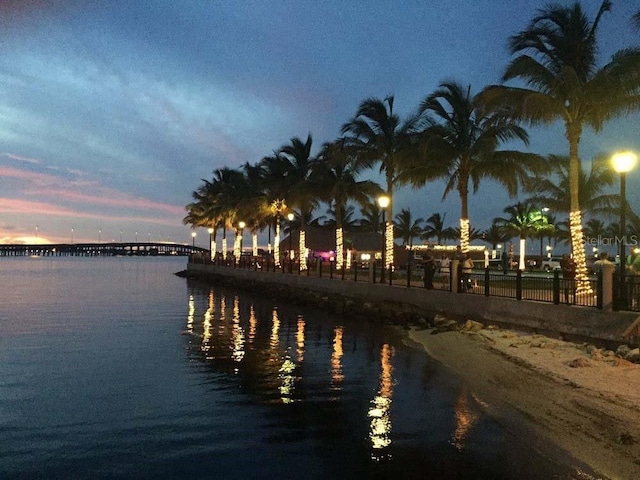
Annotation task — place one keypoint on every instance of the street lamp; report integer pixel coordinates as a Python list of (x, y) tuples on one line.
[(290, 217), (72, 235), (383, 202), (241, 225), (193, 239), (623, 162)]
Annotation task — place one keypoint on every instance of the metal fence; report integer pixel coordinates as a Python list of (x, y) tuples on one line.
[(549, 288)]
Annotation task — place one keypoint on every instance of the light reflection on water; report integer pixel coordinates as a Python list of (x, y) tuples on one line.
[(97, 382)]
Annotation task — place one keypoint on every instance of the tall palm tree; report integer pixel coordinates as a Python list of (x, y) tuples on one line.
[(371, 218), (556, 58), (302, 190), (462, 144), (553, 190), (336, 172), (380, 137), (524, 220), (407, 228), (495, 235)]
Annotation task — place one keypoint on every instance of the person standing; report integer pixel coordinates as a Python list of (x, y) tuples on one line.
[(568, 266), (445, 271), (467, 269), (429, 265), (504, 262)]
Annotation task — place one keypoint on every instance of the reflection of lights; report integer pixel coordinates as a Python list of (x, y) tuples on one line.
[(192, 311), (465, 419), (274, 340), (303, 248), (380, 410), (206, 333), (300, 339), (339, 249), (288, 380), (253, 324), (336, 360), (237, 333)]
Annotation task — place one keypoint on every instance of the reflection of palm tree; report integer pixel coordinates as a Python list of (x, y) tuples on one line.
[(523, 220), (461, 144), (556, 59)]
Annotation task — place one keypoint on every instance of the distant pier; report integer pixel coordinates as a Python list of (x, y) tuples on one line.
[(111, 249)]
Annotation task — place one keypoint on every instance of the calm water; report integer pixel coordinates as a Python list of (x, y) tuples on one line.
[(117, 368)]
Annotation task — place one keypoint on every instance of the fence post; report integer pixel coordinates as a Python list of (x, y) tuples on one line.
[(605, 287), (455, 276), (372, 272), (408, 274), (519, 285), (355, 271), (390, 274), (343, 269), (320, 267), (556, 287), (330, 269), (486, 282)]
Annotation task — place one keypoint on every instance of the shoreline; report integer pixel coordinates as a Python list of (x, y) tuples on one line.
[(591, 410)]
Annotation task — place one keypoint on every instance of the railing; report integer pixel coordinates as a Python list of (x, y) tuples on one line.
[(540, 287)]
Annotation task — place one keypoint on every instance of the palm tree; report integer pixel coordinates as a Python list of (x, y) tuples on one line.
[(495, 235), (434, 228), (371, 218), (461, 144), (553, 191), (302, 191), (523, 220), (378, 135), (407, 228), (336, 171), (557, 61)]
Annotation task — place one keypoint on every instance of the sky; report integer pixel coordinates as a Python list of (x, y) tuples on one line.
[(112, 112)]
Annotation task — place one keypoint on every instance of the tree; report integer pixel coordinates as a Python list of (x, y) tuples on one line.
[(407, 228), (336, 173), (462, 144), (553, 190), (495, 235), (434, 228), (523, 220), (556, 58), (302, 191), (379, 136)]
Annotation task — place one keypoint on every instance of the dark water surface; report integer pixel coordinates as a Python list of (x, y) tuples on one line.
[(116, 368)]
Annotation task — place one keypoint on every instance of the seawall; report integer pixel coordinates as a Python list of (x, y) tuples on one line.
[(557, 320)]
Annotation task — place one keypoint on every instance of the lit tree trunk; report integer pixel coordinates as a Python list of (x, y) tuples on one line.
[(339, 238), (254, 241), (575, 215), (389, 226), (523, 245), (463, 189), (224, 241), (276, 242)]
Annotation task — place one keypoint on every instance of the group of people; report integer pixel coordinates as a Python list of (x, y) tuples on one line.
[(431, 267)]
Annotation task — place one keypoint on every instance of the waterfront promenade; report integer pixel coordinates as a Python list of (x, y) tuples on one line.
[(534, 302)]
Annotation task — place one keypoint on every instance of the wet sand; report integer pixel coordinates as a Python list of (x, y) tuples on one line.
[(590, 410)]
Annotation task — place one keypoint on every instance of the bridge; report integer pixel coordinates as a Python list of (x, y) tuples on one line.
[(99, 249)]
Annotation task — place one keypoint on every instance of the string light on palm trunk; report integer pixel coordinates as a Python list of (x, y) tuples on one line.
[(303, 251), (583, 287), (339, 249), (389, 244), (464, 235)]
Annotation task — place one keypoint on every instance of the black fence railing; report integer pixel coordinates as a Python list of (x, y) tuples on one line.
[(539, 287)]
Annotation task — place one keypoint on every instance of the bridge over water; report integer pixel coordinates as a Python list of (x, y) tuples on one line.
[(99, 249)]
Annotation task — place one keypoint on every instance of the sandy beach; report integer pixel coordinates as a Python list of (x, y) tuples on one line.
[(583, 399)]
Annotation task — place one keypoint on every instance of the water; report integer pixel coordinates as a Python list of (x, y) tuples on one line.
[(117, 368)]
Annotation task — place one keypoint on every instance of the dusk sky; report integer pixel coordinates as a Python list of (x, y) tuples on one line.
[(111, 112)]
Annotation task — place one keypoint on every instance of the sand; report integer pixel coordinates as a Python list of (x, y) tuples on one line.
[(583, 400)]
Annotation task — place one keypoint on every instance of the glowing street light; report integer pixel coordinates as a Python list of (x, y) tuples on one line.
[(212, 245), (623, 162), (193, 239), (383, 202), (241, 225)]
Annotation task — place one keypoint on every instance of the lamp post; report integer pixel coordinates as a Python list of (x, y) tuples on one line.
[(290, 217), (383, 202), (193, 239), (72, 235), (623, 162)]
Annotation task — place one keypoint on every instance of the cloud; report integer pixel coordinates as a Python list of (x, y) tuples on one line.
[(20, 158)]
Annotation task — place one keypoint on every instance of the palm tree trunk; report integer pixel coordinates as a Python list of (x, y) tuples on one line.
[(389, 226), (575, 215), (339, 237), (463, 189)]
